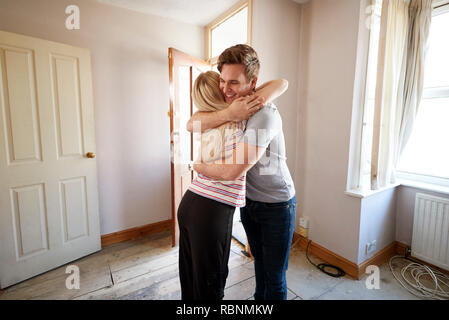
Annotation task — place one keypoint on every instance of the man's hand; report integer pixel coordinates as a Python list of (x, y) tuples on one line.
[(244, 107)]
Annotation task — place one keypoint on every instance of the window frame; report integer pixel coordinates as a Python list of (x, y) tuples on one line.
[(361, 174), (222, 18), (354, 178)]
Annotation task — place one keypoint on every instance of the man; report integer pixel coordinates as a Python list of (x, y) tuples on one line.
[(269, 214)]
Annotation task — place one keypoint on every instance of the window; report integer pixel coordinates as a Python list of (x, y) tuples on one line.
[(426, 155), (231, 28), (427, 152)]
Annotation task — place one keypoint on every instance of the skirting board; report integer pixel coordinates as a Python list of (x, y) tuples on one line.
[(136, 232), (351, 268), (326, 255)]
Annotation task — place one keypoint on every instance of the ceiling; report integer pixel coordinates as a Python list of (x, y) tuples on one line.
[(198, 12)]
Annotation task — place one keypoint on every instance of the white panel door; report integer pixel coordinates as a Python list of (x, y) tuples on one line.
[(48, 187)]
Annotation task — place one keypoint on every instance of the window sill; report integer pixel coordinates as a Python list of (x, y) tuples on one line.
[(425, 186), (367, 193), (402, 180), (420, 181)]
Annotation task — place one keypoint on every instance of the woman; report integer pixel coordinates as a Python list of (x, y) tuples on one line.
[(205, 214)]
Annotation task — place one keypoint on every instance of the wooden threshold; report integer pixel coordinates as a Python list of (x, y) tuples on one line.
[(136, 232)]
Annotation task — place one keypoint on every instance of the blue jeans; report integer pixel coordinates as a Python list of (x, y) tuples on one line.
[(269, 228)]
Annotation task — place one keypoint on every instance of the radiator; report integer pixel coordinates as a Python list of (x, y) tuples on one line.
[(430, 240)]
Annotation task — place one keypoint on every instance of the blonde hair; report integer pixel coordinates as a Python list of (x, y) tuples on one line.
[(207, 97)]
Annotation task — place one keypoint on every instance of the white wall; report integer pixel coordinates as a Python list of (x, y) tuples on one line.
[(327, 69), (131, 97), (377, 222)]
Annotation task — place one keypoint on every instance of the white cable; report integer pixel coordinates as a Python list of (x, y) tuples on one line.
[(416, 271)]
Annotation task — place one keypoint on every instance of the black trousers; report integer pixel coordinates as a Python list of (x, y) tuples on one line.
[(205, 230)]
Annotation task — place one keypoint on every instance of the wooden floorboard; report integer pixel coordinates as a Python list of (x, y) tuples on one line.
[(130, 286), (149, 266), (147, 269), (144, 268)]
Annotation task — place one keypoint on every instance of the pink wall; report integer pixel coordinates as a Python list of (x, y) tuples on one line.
[(275, 36), (328, 53), (131, 97)]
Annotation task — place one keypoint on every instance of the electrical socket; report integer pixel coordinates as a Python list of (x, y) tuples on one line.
[(304, 226), (304, 222), (370, 247)]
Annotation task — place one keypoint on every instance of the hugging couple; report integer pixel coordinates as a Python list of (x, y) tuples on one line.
[(243, 164)]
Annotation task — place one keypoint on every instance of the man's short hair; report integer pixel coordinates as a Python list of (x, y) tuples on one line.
[(241, 54)]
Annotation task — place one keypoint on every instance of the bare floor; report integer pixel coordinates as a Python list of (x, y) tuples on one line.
[(147, 268)]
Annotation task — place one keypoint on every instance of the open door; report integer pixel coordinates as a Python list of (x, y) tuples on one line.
[(183, 70)]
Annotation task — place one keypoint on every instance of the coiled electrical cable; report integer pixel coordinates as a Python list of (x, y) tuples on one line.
[(413, 275), (322, 266)]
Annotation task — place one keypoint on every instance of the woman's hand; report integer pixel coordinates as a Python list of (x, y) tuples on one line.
[(197, 167), (244, 107)]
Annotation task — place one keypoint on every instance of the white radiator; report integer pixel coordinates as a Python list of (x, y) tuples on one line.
[(430, 240)]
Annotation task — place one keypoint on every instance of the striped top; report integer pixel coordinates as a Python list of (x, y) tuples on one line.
[(228, 192)]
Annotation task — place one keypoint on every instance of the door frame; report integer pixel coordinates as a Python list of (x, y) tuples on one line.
[(178, 57)]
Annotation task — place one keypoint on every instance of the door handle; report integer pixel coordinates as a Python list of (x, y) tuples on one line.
[(90, 155)]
